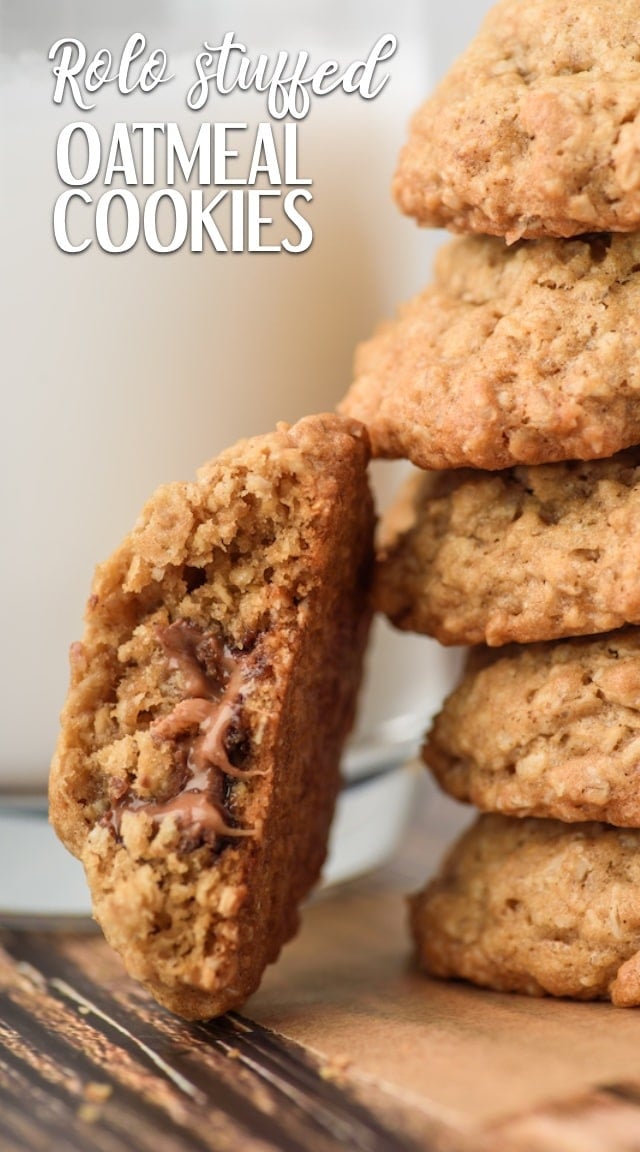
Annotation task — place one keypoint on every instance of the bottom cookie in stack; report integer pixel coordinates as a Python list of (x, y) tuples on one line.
[(551, 905), (536, 906)]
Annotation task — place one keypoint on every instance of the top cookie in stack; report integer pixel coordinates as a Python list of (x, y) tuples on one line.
[(520, 353), (535, 130)]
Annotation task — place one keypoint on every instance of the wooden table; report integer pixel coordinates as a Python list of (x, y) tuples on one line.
[(344, 1047)]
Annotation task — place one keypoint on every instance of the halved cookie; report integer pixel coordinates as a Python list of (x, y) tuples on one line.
[(536, 906), (198, 762), (535, 131)]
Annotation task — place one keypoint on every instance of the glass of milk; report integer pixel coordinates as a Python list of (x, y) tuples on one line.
[(126, 371)]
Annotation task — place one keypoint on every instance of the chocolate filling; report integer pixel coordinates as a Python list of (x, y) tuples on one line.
[(199, 727)]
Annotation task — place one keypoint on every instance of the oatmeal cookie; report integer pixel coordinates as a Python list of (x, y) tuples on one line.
[(521, 355), (538, 907), (535, 131), (522, 555), (550, 730), (198, 762)]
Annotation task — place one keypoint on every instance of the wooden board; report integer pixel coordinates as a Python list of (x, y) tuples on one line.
[(478, 1062), (345, 1046)]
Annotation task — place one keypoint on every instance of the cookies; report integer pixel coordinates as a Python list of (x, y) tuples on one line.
[(521, 355), (198, 762), (535, 131), (536, 906), (547, 730), (522, 555), (514, 381)]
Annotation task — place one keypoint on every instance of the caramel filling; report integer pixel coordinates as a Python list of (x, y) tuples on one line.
[(213, 682)]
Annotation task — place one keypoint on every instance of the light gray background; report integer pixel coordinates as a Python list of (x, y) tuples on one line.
[(443, 28)]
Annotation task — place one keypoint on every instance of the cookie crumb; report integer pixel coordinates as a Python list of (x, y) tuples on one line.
[(232, 899), (335, 1068), (97, 1093)]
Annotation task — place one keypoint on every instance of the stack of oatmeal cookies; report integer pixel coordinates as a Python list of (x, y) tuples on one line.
[(513, 381)]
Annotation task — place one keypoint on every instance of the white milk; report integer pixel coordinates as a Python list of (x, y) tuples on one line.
[(122, 372)]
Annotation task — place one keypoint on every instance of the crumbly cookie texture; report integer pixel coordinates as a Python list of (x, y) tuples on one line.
[(198, 762), (547, 730), (521, 355), (535, 131), (538, 907), (522, 555)]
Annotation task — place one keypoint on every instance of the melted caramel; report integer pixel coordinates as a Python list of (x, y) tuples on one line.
[(213, 681)]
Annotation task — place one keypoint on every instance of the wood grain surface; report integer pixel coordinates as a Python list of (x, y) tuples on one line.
[(345, 1046), (88, 1061)]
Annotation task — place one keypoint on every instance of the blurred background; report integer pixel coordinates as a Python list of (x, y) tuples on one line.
[(125, 371)]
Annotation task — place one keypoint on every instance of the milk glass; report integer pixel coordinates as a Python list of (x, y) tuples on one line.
[(122, 372)]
